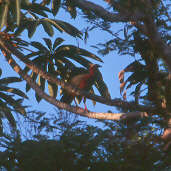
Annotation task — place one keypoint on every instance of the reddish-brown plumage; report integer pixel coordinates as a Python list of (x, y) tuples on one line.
[(81, 81)]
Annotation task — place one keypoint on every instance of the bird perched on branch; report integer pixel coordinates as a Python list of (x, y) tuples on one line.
[(83, 81)]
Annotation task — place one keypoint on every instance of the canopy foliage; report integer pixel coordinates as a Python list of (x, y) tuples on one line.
[(46, 65)]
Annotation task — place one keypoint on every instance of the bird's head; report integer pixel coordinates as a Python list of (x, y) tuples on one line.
[(94, 66)]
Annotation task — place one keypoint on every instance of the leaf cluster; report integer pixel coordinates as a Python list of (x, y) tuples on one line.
[(60, 61), (9, 102), (85, 147)]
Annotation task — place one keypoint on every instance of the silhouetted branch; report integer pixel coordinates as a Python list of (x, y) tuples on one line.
[(148, 28), (125, 16)]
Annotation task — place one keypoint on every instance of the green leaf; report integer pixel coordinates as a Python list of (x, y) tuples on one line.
[(71, 50), (65, 27), (55, 25), (36, 8), (9, 80), (33, 54), (25, 2), (59, 61), (39, 46), (27, 87), (137, 92), (68, 28), (89, 54), (134, 66), (101, 86), (59, 56), (14, 103), (20, 109), (72, 10), (32, 28), (136, 77), (10, 118), (55, 6), (7, 112), (47, 27), (20, 29), (0, 72), (57, 42), (13, 91), (48, 43)]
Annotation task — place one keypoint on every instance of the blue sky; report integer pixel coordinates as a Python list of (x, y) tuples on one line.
[(113, 63)]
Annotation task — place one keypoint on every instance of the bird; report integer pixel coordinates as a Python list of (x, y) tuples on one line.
[(83, 81)]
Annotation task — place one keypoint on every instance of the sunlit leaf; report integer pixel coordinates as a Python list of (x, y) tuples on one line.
[(53, 89)]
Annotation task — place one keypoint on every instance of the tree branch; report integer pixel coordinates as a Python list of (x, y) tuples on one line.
[(157, 42), (106, 15), (114, 102), (73, 109), (135, 16)]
